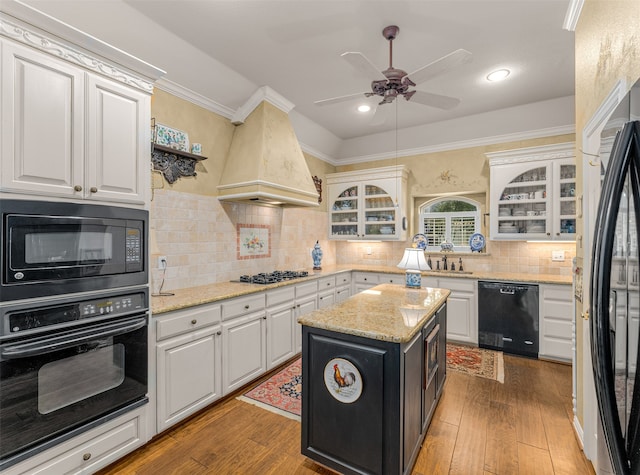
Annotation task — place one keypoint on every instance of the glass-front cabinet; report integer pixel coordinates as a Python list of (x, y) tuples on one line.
[(368, 204), (533, 193)]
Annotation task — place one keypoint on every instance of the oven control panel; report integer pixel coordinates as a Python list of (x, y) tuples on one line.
[(33, 318)]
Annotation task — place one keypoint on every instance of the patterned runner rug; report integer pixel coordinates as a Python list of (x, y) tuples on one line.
[(476, 361), (282, 392)]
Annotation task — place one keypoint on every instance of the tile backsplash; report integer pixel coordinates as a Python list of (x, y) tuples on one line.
[(198, 234)]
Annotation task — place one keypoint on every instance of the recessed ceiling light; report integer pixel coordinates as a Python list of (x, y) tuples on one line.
[(498, 75), (364, 108)]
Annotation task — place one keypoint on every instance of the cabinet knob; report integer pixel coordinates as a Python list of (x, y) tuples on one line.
[(548, 234), (77, 188), (328, 283), (246, 307), (93, 189), (86, 456), (219, 332), (557, 234), (264, 318), (194, 321)]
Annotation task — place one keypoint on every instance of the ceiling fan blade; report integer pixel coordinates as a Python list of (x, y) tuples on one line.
[(439, 66), (362, 64), (434, 100), (336, 100), (380, 115)]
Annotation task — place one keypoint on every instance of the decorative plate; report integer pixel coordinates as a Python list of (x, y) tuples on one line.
[(420, 240), (476, 242), (173, 138), (343, 380)]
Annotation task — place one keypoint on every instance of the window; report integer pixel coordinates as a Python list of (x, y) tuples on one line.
[(452, 220)]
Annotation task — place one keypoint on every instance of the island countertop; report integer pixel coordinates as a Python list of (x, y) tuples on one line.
[(387, 312)]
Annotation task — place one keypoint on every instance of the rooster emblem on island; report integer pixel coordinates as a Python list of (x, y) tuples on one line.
[(343, 381)]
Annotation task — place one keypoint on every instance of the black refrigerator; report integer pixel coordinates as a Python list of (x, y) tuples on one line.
[(615, 302)]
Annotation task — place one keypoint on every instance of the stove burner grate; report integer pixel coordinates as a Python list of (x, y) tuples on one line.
[(273, 277)]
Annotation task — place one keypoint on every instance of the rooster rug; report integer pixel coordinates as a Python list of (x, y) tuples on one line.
[(282, 392)]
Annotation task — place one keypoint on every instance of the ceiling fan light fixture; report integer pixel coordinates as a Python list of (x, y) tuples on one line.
[(364, 108), (498, 75)]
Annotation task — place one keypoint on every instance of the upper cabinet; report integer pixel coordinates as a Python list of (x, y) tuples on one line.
[(72, 126), (533, 193), (368, 204)]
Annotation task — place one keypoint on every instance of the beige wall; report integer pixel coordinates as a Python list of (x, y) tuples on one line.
[(607, 49)]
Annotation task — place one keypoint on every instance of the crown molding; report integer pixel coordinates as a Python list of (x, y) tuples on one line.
[(572, 15), (530, 134), (604, 111), (195, 98), (265, 93), (533, 154), (318, 154)]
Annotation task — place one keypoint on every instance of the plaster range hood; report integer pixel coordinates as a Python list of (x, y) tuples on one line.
[(265, 164)]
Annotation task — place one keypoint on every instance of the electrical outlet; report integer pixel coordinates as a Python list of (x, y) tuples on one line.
[(557, 256), (368, 251), (162, 262)]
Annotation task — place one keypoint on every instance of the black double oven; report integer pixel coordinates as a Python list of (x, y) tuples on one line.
[(74, 317)]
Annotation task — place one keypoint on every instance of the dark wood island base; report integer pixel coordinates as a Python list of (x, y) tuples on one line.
[(373, 370)]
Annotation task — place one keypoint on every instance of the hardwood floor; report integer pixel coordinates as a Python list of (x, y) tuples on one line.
[(523, 426)]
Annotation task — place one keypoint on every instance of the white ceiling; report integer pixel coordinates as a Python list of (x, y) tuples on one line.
[(224, 50)]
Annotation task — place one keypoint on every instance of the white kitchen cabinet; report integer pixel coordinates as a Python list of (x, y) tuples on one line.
[(188, 359), (368, 204), (533, 193), (556, 322), (91, 450), (462, 307), (306, 302), (365, 280), (326, 298), (70, 133), (281, 321), (244, 350)]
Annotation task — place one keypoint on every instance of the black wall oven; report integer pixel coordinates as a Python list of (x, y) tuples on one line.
[(68, 364), (53, 248)]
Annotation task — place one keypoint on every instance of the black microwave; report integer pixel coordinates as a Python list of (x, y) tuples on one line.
[(53, 248)]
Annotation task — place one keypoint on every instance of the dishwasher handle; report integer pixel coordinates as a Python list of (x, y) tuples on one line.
[(508, 291)]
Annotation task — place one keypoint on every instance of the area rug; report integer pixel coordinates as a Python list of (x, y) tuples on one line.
[(476, 361), (281, 393)]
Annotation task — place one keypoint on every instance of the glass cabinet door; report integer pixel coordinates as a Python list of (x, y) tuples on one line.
[(565, 223), (379, 212), (344, 213)]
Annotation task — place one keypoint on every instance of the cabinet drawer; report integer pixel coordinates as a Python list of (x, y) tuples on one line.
[(308, 288), (102, 449), (343, 279), (462, 284), (326, 283), (366, 278), (242, 306), (391, 279), (184, 321), (276, 297)]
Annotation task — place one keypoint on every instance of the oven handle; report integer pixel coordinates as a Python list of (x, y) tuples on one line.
[(68, 340)]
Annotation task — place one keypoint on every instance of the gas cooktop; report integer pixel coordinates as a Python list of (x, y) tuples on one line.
[(273, 277)]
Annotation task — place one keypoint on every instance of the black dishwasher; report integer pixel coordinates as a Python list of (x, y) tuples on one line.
[(508, 317)]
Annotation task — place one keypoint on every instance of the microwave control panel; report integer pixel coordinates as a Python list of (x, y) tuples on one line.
[(133, 245)]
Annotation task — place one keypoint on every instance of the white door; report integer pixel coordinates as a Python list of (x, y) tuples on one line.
[(243, 350), (280, 336), (42, 123)]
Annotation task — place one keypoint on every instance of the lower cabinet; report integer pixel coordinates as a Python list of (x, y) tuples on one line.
[(304, 305), (281, 321), (244, 350), (556, 322), (462, 307), (188, 363), (92, 450)]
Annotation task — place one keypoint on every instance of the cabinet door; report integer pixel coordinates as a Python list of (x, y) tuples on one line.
[(343, 293), (188, 374), (344, 217), (556, 322), (413, 395), (380, 215), (303, 307), (42, 123), (118, 144), (564, 199), (244, 352), (326, 299), (521, 201), (462, 310), (280, 334)]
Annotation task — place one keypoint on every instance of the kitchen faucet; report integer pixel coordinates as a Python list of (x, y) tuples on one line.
[(444, 263)]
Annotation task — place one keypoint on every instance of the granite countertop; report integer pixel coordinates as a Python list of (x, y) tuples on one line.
[(184, 298), (386, 312)]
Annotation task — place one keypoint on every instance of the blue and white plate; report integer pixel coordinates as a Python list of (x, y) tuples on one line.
[(476, 242), (421, 241)]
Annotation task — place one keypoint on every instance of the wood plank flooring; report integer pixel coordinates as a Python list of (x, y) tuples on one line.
[(523, 426)]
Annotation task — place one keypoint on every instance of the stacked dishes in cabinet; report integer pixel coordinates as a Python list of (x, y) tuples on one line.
[(523, 203), (344, 216), (380, 212)]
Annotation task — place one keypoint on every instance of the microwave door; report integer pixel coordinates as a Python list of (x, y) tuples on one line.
[(614, 307)]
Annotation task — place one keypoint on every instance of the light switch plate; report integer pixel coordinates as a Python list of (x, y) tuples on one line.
[(557, 256)]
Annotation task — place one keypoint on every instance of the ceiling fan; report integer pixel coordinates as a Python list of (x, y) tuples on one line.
[(392, 82)]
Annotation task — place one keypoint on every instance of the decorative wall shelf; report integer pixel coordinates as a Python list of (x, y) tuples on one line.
[(174, 163)]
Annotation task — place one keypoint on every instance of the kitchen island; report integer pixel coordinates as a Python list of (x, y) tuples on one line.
[(373, 369)]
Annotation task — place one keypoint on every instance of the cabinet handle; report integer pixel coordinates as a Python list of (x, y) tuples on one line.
[(77, 188), (246, 307), (93, 189), (548, 234), (557, 234), (194, 321), (264, 318), (328, 283), (86, 456)]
